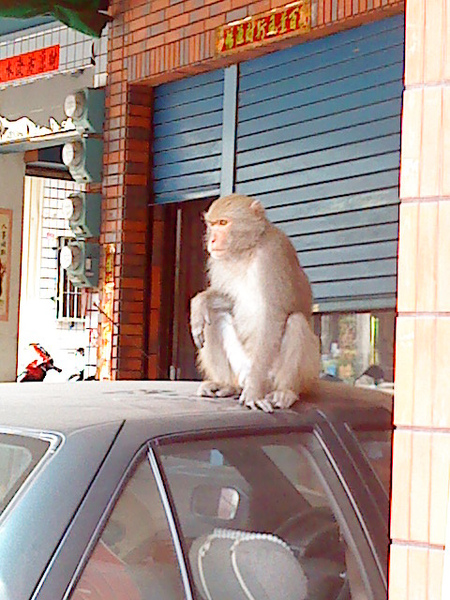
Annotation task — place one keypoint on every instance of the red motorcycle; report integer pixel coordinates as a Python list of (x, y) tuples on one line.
[(38, 369)]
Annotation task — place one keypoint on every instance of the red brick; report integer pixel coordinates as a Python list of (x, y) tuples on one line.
[(152, 369), (179, 21), (195, 28), (136, 24), (175, 35), (238, 4), (155, 299), (141, 110), (135, 121), (153, 42), (327, 10), (132, 283), (259, 7), (237, 14), (175, 10), (190, 5), (219, 8), (160, 4), (139, 35), (213, 22), (199, 15), (158, 28), (139, 11), (155, 17), (320, 15), (131, 294)]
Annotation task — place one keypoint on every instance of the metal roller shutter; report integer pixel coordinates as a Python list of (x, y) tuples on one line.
[(187, 146), (318, 142)]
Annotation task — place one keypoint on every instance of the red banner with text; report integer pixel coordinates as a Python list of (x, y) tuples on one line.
[(29, 64)]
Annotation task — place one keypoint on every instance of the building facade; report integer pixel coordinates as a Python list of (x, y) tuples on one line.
[(41, 62), (308, 121), (335, 114), (160, 50)]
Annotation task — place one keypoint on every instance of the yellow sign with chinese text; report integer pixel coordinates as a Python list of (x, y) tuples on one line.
[(292, 19)]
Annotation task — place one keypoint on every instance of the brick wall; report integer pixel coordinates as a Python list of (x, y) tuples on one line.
[(164, 39), (421, 467), (125, 221)]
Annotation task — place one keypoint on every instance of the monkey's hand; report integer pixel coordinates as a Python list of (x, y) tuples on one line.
[(254, 400), (199, 318), (282, 398)]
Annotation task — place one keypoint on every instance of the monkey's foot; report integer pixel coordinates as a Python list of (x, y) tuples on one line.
[(250, 401), (212, 389), (281, 398)]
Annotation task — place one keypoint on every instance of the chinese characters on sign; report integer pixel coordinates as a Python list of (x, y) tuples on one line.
[(29, 64), (279, 23), (5, 260)]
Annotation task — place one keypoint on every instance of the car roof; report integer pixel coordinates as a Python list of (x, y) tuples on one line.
[(67, 407)]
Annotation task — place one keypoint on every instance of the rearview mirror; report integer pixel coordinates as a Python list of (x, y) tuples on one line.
[(215, 502)]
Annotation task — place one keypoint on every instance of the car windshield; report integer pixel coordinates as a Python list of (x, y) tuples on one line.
[(19, 455), (259, 511)]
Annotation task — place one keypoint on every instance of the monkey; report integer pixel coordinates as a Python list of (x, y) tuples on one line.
[(251, 325)]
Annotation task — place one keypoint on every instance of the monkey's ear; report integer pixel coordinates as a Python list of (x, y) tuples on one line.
[(257, 207)]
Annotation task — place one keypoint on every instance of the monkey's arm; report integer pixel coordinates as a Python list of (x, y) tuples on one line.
[(203, 305)]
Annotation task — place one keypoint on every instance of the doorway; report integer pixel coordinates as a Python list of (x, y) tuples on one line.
[(185, 269)]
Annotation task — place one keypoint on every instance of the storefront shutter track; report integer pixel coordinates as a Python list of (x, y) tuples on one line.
[(188, 138), (318, 142)]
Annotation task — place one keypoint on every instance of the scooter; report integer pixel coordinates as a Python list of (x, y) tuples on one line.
[(38, 369)]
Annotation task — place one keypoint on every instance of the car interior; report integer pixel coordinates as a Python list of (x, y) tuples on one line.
[(255, 520)]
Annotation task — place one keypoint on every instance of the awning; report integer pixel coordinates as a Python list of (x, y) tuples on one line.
[(87, 16)]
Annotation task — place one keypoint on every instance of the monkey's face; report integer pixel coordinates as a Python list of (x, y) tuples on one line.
[(234, 226), (218, 238)]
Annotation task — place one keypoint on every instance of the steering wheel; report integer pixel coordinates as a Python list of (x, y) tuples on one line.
[(314, 536)]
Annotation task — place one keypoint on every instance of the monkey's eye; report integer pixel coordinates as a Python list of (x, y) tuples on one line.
[(223, 222)]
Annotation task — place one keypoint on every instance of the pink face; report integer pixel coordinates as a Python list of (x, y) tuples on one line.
[(218, 232)]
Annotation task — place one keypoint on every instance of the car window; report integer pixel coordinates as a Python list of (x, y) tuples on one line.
[(134, 558), (19, 455), (258, 520), (377, 448)]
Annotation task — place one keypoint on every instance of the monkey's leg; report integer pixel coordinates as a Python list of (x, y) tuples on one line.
[(297, 367), (217, 358)]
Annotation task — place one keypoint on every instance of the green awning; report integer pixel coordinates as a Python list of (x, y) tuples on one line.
[(87, 16)]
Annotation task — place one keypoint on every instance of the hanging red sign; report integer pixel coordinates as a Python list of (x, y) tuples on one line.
[(292, 19), (29, 64)]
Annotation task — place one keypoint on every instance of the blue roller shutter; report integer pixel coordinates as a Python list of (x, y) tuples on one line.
[(318, 141), (187, 144)]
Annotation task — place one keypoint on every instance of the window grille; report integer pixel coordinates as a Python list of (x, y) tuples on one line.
[(69, 304)]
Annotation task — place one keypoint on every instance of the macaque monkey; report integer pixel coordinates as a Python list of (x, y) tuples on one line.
[(252, 324)]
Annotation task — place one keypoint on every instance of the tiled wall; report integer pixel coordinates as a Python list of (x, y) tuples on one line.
[(39, 320), (76, 49), (421, 464), (54, 224)]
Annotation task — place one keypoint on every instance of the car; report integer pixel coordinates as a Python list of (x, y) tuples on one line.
[(142, 490)]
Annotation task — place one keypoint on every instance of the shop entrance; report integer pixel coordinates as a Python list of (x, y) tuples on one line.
[(184, 274)]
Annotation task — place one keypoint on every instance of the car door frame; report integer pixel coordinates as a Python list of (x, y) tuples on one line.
[(84, 530)]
